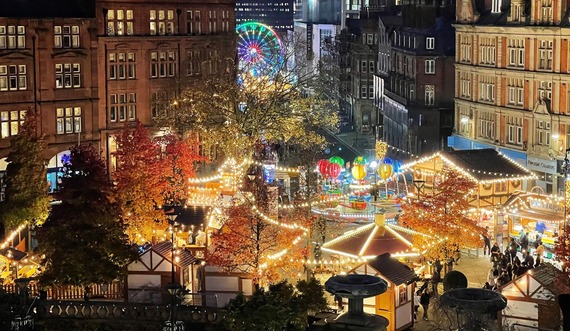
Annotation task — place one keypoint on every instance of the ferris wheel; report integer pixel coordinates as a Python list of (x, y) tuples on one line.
[(260, 50)]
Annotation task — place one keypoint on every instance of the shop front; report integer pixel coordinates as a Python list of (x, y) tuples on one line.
[(546, 171), (540, 217)]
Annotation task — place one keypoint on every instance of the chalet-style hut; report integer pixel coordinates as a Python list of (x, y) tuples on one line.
[(532, 298), (397, 303)]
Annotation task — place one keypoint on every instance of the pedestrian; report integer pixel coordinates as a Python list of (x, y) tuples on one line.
[(424, 301), (457, 254), (513, 249), (416, 305), (450, 264), (435, 279), (487, 241), (491, 277), (539, 253), (524, 243)]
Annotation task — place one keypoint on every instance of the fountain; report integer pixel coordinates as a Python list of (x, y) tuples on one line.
[(355, 288), (477, 308)]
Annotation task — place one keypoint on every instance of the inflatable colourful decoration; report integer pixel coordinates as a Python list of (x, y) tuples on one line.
[(360, 160), (358, 171), (323, 166), (333, 170), (338, 160), (385, 171)]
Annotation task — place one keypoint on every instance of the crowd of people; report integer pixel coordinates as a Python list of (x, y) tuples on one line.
[(509, 264)]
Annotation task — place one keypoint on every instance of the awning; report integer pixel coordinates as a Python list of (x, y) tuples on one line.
[(539, 215)]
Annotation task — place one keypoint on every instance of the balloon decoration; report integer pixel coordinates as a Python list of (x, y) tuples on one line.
[(333, 170), (360, 160), (358, 171), (338, 160), (385, 171), (381, 150), (323, 166)]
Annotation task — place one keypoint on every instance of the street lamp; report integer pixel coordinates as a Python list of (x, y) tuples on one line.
[(173, 288)]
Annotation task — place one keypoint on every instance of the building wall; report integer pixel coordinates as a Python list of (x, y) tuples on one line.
[(112, 59), (512, 87)]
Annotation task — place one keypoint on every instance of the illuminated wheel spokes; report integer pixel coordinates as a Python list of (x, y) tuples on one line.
[(259, 49)]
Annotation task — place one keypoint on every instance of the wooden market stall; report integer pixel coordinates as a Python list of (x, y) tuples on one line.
[(541, 217), (496, 176), (532, 299), (397, 303), (149, 275)]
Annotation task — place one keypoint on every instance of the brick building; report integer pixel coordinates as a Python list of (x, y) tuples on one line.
[(415, 88), (512, 76), (89, 67)]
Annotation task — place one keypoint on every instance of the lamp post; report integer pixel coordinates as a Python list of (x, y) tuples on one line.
[(173, 288)]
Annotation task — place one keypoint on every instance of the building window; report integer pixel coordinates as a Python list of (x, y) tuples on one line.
[(514, 130), (371, 92), (68, 120), (213, 22), (545, 90), (161, 22), (193, 24), (370, 66), (123, 107), (162, 64), (464, 125), (546, 11), (487, 125), (496, 6), (545, 55), (430, 95), (465, 79), (66, 36), (194, 62), (12, 36), (13, 77), (10, 122), (225, 20), (364, 66), (515, 92), (488, 50), (430, 67), (120, 22), (465, 48), (542, 133), (67, 75), (430, 43), (363, 92), (516, 53), (487, 88), (122, 66), (160, 102)]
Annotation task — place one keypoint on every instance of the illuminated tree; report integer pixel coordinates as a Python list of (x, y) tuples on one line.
[(249, 241), (236, 110), (27, 199), (562, 249), (140, 182), (442, 214), (94, 248), (181, 158)]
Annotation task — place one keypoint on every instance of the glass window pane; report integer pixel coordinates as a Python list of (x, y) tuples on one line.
[(77, 111), (60, 129)]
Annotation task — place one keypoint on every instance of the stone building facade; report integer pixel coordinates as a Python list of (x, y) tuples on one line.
[(512, 78), (90, 67)]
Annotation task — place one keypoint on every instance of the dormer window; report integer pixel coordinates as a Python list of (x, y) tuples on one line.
[(430, 42)]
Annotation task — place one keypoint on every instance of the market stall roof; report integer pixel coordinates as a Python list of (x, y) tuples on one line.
[(389, 267), (165, 249), (371, 240), (12, 254), (481, 165), (527, 205), (189, 215)]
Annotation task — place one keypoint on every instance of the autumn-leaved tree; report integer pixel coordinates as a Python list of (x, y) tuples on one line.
[(237, 109), (83, 240), (250, 242), (442, 215), (181, 160), (140, 182), (27, 199), (562, 249)]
